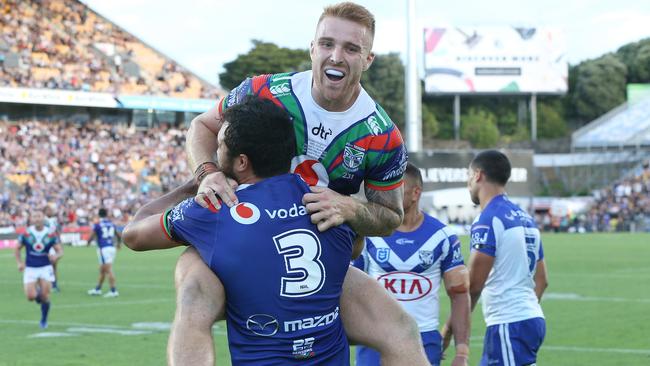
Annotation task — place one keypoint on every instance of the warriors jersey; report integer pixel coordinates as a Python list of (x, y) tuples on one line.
[(283, 278), (105, 231), (410, 265), (510, 235), (339, 150), (37, 246)]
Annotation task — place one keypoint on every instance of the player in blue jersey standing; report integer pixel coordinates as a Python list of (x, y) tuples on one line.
[(282, 276), (410, 265), (106, 234), (507, 267), (37, 270)]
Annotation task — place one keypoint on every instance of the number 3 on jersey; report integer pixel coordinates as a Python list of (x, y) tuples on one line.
[(301, 250)]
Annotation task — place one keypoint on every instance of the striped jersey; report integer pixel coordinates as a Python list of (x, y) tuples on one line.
[(410, 266), (510, 235), (339, 150)]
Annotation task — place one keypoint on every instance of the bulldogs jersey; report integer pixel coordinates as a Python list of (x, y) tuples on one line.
[(410, 265), (105, 231), (339, 150), (509, 234), (283, 278), (37, 246)]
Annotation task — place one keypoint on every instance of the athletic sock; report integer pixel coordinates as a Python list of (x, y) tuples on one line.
[(112, 289), (98, 287), (45, 308)]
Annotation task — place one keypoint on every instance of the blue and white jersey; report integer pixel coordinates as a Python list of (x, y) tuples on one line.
[(105, 231), (410, 265), (53, 224), (510, 235), (37, 246), (283, 278)]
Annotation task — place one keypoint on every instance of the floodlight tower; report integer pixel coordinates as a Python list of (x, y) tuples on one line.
[(412, 81)]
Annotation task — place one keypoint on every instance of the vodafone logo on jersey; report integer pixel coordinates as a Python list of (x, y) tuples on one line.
[(38, 247), (406, 286), (245, 213), (310, 170)]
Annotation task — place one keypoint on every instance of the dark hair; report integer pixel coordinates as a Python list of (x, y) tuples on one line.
[(103, 212), (413, 173), (262, 131), (494, 164)]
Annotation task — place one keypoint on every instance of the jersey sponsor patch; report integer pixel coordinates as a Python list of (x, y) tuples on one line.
[(262, 324), (406, 286), (479, 236), (245, 213), (353, 157), (426, 258)]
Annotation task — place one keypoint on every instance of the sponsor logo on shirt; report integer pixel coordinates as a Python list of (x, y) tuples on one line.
[(38, 247), (353, 157), (373, 125), (280, 89), (245, 213), (304, 348), (321, 131), (404, 241), (479, 236), (308, 323), (406, 286), (262, 324), (293, 211)]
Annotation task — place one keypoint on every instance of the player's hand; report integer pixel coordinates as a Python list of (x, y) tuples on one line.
[(326, 207), (21, 266), (214, 186)]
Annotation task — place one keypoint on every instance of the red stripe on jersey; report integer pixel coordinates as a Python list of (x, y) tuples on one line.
[(384, 188), (259, 82), (163, 217)]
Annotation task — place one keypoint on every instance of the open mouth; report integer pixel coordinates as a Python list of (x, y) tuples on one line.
[(334, 75)]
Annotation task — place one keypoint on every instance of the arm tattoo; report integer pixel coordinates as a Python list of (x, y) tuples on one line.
[(381, 215)]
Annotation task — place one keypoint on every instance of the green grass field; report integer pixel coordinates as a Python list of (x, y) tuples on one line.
[(597, 308)]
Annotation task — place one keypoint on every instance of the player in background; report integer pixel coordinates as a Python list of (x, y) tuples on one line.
[(507, 266), (106, 234), (343, 139), (283, 277), (410, 264), (52, 223), (37, 269)]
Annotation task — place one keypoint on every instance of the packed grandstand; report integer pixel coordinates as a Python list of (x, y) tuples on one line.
[(79, 157)]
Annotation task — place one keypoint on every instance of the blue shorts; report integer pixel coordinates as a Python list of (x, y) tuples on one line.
[(513, 344), (432, 347)]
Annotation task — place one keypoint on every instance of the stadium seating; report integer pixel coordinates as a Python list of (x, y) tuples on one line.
[(80, 169), (62, 44)]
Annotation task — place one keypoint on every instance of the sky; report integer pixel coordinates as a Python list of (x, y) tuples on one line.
[(202, 35)]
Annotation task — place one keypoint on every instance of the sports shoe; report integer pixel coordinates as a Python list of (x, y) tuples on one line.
[(94, 292), (112, 294), (43, 324)]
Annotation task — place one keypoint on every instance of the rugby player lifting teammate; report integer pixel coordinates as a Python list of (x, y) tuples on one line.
[(343, 138)]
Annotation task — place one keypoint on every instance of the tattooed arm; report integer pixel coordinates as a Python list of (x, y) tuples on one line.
[(380, 216)]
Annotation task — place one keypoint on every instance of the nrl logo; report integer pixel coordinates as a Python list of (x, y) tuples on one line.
[(383, 254), (353, 157)]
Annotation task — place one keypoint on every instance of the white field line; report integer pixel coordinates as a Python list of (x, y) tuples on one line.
[(110, 302), (92, 283), (477, 342), (102, 328), (552, 296)]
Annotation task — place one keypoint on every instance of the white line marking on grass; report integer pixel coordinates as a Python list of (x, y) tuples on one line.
[(109, 302), (602, 275), (90, 284), (152, 325), (576, 297), (108, 330), (51, 334), (63, 324)]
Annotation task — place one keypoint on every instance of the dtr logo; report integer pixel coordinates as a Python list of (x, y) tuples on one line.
[(245, 213)]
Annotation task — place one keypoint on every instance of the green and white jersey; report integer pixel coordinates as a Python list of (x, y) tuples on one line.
[(339, 150)]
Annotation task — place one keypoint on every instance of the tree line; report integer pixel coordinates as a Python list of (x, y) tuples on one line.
[(595, 87)]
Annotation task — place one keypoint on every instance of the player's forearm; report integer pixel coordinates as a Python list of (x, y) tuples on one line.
[(460, 321), (160, 204), (201, 143), (19, 260), (380, 216), (540, 287)]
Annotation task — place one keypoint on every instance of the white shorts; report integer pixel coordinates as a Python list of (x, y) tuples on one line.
[(32, 274), (106, 255)]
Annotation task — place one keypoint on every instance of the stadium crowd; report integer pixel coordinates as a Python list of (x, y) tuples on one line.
[(79, 169), (624, 206), (61, 44)]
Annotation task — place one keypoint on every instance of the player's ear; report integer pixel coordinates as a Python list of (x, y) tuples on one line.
[(369, 59), (242, 162)]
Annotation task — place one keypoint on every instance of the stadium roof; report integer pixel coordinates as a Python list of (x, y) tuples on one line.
[(626, 125)]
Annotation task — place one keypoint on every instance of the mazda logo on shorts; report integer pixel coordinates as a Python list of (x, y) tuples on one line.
[(262, 325)]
